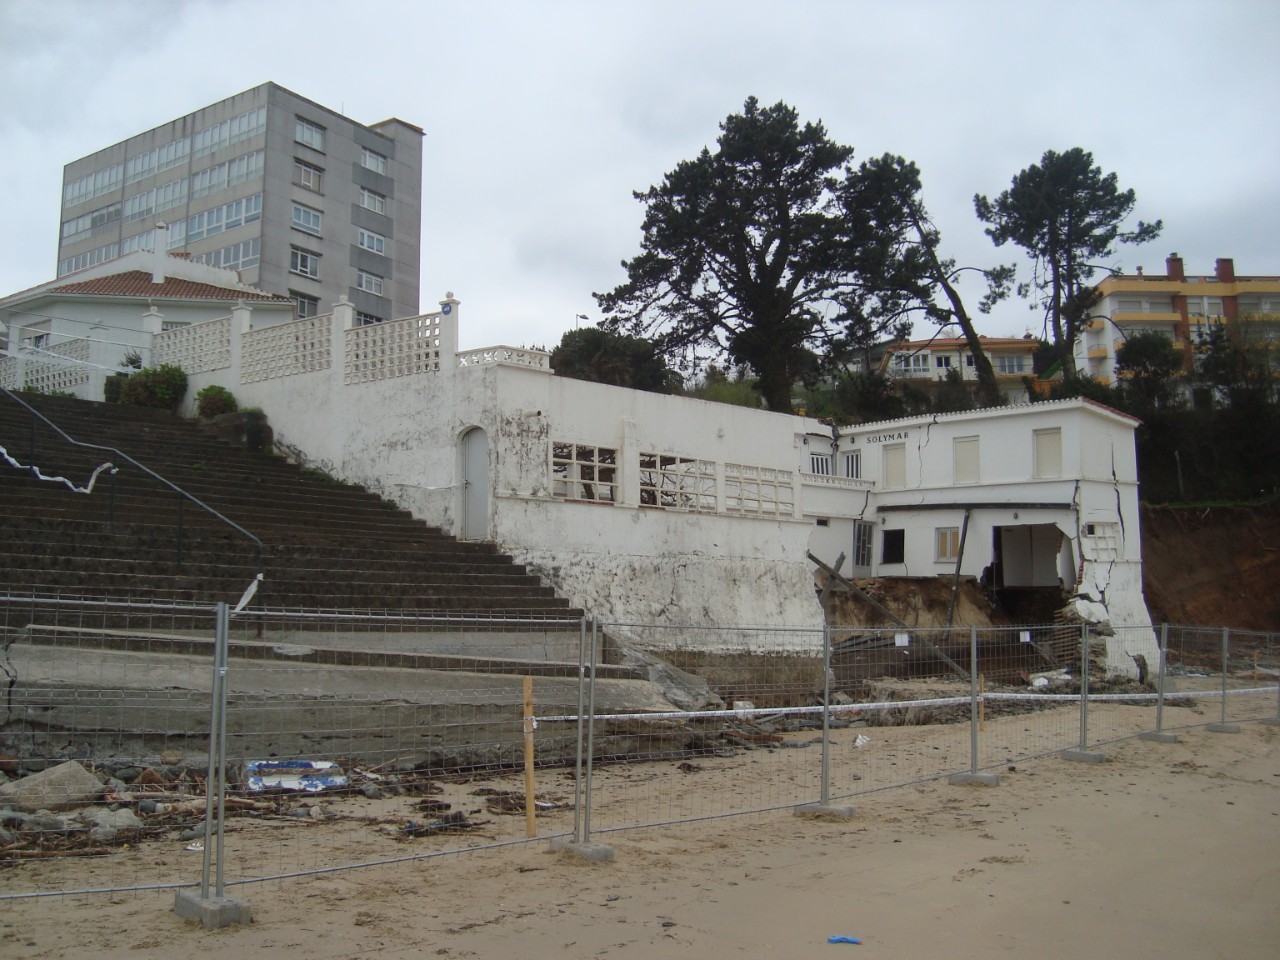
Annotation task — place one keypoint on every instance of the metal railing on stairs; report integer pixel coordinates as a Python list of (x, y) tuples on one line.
[(183, 495)]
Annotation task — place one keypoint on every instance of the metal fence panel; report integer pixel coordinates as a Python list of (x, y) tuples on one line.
[(104, 727)]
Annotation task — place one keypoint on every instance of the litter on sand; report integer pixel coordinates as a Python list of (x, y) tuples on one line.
[(843, 940)]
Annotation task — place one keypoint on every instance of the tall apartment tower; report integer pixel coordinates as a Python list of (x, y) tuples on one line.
[(300, 199)]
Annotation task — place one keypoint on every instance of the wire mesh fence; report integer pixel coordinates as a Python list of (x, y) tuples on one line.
[(356, 738)]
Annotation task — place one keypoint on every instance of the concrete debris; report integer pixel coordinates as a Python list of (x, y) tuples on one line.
[(685, 690)]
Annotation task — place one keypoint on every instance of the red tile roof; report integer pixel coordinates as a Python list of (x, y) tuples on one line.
[(137, 283)]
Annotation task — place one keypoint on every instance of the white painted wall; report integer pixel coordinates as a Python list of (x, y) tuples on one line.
[(624, 560)]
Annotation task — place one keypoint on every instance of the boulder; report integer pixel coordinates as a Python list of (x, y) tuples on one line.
[(64, 787)]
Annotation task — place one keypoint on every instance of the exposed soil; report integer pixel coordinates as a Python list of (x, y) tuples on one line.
[(1213, 566)]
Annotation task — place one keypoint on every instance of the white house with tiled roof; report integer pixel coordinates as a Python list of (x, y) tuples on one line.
[(71, 333), (926, 363)]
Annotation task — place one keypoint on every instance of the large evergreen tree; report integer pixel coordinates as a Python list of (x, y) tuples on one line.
[(748, 253), (603, 357), (891, 186), (1066, 214)]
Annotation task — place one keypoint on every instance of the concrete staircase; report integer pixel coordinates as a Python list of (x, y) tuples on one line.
[(327, 545)]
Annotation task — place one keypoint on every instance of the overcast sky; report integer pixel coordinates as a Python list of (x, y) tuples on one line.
[(541, 118)]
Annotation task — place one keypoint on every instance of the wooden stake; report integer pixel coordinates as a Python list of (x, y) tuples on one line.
[(530, 793)]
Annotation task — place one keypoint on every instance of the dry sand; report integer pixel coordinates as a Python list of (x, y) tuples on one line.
[(1163, 851)]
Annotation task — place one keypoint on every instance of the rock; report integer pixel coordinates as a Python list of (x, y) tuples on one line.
[(6, 837), (108, 824), (372, 791), (128, 774), (64, 787), (192, 833), (45, 822)]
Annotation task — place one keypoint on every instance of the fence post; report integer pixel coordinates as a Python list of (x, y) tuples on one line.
[(975, 702), (217, 910), (1158, 735), (580, 845), (577, 767), (1222, 726), (1082, 753), (824, 807), (1274, 721)]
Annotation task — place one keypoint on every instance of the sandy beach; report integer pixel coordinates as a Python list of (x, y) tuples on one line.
[(1162, 851)]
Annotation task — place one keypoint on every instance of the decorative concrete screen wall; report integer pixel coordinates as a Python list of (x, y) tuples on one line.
[(199, 348)]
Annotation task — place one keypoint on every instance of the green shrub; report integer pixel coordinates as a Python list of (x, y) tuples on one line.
[(162, 387), (214, 400)]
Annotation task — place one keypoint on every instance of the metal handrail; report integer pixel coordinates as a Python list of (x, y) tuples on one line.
[(151, 473)]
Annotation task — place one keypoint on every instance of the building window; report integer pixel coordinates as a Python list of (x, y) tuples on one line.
[(895, 466), (1007, 364), (238, 256), (583, 472), (916, 363), (140, 206), (140, 241), (820, 464), (306, 219), (308, 176), (369, 282), (308, 134), (304, 262), (893, 546), (88, 259), (944, 362), (946, 543), (677, 483), (367, 319), (964, 455), (1048, 453), (305, 306), (93, 185), (86, 225), (229, 215), (372, 200), (372, 160), (373, 241), (862, 544), (853, 464)]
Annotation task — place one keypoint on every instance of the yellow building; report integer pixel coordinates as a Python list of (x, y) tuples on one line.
[(1181, 307)]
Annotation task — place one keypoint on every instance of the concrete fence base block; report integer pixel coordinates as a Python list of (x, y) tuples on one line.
[(212, 912), (590, 852), (830, 811), (1272, 721), (1156, 736), (1223, 728), (978, 779), (1082, 756)]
